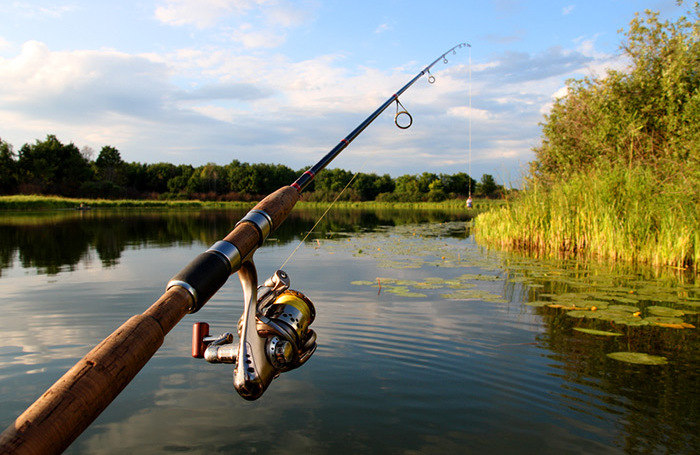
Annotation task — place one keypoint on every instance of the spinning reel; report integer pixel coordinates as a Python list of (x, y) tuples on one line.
[(274, 334)]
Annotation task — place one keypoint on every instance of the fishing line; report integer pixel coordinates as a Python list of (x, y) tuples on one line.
[(470, 119), (324, 215)]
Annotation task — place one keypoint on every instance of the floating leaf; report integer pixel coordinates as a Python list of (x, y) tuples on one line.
[(364, 283), (623, 308), (598, 332), (638, 358), (537, 303), (584, 314), (664, 311), (404, 292), (663, 320), (682, 325)]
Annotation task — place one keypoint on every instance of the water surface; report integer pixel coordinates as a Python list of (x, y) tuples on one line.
[(428, 343)]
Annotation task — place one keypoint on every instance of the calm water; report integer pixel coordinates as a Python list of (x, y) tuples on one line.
[(458, 351)]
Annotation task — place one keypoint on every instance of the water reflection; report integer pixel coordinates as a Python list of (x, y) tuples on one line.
[(447, 357), (56, 241)]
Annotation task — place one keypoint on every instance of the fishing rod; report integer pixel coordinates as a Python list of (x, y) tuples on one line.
[(274, 333)]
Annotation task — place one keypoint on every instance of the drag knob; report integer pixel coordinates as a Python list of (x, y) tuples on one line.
[(280, 352)]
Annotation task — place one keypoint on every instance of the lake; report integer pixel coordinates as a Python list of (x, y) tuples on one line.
[(427, 342)]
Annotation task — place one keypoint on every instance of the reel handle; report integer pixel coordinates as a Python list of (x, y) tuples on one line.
[(200, 330)]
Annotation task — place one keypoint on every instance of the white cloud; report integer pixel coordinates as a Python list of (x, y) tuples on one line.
[(382, 28), (254, 24), (567, 9), (201, 13), (35, 11), (207, 13), (4, 44)]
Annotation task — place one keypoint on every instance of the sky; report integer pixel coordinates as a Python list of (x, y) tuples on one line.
[(282, 81)]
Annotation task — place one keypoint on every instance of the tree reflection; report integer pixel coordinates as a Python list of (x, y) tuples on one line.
[(55, 241)]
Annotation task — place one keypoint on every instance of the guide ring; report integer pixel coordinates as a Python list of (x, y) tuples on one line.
[(431, 78), (410, 119)]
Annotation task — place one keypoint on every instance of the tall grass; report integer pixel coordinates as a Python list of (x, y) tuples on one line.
[(614, 213)]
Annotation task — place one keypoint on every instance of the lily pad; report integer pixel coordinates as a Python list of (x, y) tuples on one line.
[(638, 358), (584, 314), (664, 311), (663, 320), (364, 283), (598, 332), (623, 308)]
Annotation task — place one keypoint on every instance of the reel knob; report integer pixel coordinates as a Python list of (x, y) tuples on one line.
[(280, 352)]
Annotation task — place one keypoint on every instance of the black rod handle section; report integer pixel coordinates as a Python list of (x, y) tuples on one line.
[(202, 278)]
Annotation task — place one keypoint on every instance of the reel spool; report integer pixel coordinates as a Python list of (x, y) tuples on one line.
[(278, 339)]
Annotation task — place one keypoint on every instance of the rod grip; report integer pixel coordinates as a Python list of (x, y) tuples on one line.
[(202, 278)]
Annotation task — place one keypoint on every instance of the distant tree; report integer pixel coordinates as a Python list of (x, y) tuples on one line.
[(157, 176), (424, 181), (8, 169), (333, 180), (487, 186), (136, 178), (50, 167), (210, 178), (458, 184), (436, 191), (178, 183), (110, 166), (407, 188)]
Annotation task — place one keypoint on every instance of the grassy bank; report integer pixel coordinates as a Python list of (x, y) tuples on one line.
[(621, 214), (31, 202), (21, 202)]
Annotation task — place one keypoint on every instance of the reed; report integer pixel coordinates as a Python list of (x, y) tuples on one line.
[(612, 213)]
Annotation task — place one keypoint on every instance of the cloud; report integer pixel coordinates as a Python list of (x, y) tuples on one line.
[(272, 14), (78, 85), (218, 103), (521, 67), (34, 11), (201, 13), (567, 9), (382, 28), (4, 44)]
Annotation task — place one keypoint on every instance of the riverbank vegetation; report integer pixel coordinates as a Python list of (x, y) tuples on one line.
[(50, 167), (618, 172), (34, 202)]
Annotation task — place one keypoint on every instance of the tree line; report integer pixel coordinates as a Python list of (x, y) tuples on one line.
[(50, 167)]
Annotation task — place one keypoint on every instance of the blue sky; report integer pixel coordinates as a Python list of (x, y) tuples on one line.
[(281, 81)]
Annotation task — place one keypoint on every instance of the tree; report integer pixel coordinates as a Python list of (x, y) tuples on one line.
[(458, 184), (50, 167), (157, 176), (487, 187), (110, 166), (8, 169), (647, 115), (436, 191), (407, 188)]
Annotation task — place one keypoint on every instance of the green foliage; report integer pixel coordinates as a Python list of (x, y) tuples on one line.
[(612, 213), (110, 177), (50, 167), (648, 115), (618, 172), (8, 169)]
